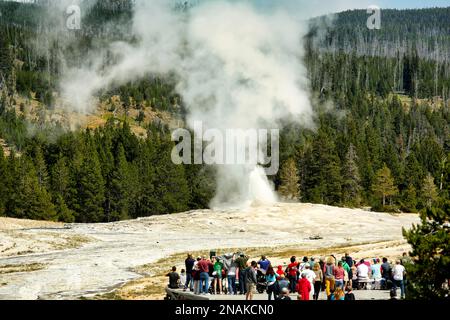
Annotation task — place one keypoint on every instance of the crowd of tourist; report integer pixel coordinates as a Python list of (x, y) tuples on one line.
[(234, 274)]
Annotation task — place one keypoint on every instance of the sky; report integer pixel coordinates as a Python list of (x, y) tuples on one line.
[(314, 8), (402, 4), (318, 7), (345, 4)]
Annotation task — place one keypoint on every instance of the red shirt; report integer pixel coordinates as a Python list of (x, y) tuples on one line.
[(292, 268), (304, 288), (203, 266), (280, 271), (339, 273)]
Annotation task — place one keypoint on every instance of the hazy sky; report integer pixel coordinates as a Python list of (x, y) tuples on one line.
[(309, 8), (401, 4)]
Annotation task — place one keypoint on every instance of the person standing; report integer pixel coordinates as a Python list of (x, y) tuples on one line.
[(303, 288), (406, 260), (271, 280), (349, 261), (317, 281), (322, 267), (292, 272), (189, 264), (398, 273), (280, 271), (196, 276), (345, 265), (203, 267), (218, 268), (376, 274), (386, 273), (393, 295), (312, 262), (280, 285), (242, 266), (311, 276), (302, 265), (182, 279), (329, 276), (251, 280), (231, 276), (339, 275), (263, 264), (363, 274), (354, 278)]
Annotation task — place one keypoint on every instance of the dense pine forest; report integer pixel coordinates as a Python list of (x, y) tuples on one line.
[(382, 137)]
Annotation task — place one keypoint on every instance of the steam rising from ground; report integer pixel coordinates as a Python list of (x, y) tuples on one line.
[(237, 66)]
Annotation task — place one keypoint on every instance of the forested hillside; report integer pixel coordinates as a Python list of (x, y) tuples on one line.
[(426, 31), (410, 53), (383, 118)]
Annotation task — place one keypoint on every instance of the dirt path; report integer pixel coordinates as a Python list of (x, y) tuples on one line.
[(107, 258)]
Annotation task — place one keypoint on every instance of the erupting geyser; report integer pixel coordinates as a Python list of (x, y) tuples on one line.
[(237, 66), (240, 187), (260, 189)]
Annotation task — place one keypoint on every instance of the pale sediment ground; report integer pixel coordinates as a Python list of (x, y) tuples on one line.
[(102, 256), (24, 237)]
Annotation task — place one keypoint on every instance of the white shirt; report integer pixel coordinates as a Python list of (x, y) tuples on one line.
[(182, 279), (363, 271), (398, 271), (310, 275)]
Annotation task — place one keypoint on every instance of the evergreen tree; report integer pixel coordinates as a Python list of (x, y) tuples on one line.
[(63, 212), (41, 168), (105, 151), (384, 187), (146, 199), (409, 199), (170, 182), (289, 188), (429, 191), (413, 174), (60, 178), (3, 182), (323, 179), (430, 243), (121, 188), (351, 189), (90, 188), (32, 201), (201, 184)]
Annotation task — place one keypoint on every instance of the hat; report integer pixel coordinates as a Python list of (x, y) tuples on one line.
[(285, 291)]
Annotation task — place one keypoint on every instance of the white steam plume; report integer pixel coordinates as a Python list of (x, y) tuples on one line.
[(237, 65)]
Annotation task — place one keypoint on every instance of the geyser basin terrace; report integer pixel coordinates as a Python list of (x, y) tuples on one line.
[(115, 248)]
